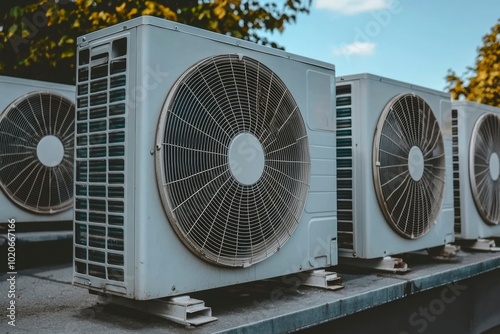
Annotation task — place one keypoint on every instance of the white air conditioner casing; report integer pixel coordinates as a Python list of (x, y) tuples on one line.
[(36, 151), (371, 120), (161, 105), (476, 152)]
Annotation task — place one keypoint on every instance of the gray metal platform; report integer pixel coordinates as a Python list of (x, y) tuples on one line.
[(48, 303)]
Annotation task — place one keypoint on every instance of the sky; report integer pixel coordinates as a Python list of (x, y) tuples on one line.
[(415, 41)]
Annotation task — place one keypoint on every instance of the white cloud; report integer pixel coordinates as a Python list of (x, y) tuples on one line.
[(352, 6), (356, 48)]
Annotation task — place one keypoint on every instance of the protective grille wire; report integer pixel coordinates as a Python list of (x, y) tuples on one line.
[(220, 219), (410, 206), (25, 180), (485, 189)]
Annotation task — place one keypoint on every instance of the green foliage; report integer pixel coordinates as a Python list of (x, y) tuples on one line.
[(482, 82), (37, 38)]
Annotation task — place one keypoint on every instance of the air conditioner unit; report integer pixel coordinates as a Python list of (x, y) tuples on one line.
[(476, 152), (36, 153), (394, 167), (201, 161)]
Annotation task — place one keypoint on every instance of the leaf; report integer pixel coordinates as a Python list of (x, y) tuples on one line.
[(219, 12), (16, 12), (120, 9), (12, 30), (132, 13), (68, 53)]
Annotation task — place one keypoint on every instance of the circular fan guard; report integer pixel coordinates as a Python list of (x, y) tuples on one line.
[(409, 165), (29, 129), (484, 178), (223, 111)]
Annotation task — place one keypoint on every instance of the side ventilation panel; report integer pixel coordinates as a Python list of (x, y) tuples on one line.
[(456, 172), (344, 167), (100, 161)]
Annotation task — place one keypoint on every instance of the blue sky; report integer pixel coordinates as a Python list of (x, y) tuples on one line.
[(415, 41)]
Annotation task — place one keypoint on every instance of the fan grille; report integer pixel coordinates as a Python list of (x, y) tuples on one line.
[(36, 152), (409, 165), (484, 167), (233, 170)]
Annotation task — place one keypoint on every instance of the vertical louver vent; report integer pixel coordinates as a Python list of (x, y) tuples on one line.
[(344, 167), (456, 172), (100, 161)]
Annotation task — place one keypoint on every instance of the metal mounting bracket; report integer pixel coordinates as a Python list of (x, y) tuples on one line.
[(388, 263), (445, 253), (487, 245), (183, 309), (322, 279)]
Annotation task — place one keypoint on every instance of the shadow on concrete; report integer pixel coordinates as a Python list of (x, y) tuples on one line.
[(38, 254)]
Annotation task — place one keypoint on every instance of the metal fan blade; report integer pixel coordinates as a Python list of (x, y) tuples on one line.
[(408, 168), (34, 173), (233, 171)]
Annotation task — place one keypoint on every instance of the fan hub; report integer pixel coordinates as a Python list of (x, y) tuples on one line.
[(50, 151), (494, 166), (416, 163), (246, 158)]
